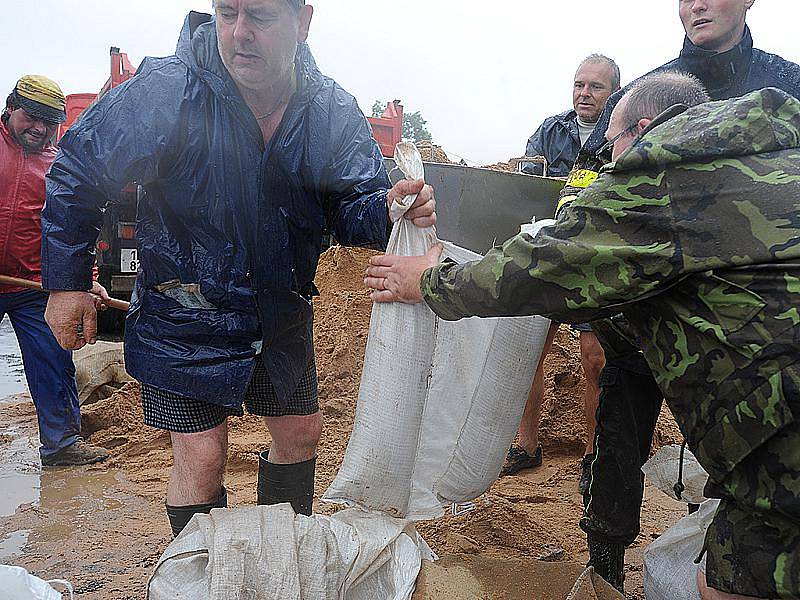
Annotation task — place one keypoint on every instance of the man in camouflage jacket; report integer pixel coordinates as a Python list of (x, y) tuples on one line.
[(719, 50), (693, 234)]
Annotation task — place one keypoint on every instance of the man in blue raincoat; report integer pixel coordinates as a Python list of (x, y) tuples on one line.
[(247, 154)]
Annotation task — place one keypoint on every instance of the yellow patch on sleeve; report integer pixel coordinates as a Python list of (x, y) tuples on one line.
[(582, 178)]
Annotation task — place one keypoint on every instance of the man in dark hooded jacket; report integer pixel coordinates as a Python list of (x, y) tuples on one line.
[(718, 50), (246, 154)]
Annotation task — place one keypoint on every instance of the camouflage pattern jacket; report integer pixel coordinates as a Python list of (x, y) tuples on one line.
[(694, 236)]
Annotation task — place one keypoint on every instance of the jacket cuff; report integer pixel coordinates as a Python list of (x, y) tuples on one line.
[(75, 276), (436, 293)]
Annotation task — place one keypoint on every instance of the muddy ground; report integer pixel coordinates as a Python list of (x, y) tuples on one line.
[(104, 527)]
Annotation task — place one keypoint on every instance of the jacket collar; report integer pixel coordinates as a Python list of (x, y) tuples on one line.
[(719, 70), (567, 116)]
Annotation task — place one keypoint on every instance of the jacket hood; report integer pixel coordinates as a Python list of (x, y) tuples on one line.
[(719, 70), (763, 121), (197, 48)]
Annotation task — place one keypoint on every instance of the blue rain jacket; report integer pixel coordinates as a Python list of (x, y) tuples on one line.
[(229, 232), (558, 140)]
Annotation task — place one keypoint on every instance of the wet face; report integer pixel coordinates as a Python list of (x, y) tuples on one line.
[(31, 133), (716, 25), (258, 40), (591, 90)]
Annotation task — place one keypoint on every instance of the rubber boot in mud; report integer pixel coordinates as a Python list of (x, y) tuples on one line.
[(608, 561), (292, 483), (179, 516)]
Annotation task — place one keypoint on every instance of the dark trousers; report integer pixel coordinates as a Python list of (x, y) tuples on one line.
[(48, 368), (630, 402)]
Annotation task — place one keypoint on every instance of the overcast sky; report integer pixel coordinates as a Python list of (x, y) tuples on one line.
[(484, 74)]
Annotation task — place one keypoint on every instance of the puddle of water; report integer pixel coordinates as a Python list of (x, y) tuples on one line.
[(19, 471), (13, 545), (74, 498), (71, 495), (12, 376)]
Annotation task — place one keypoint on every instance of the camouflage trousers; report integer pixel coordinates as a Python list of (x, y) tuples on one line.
[(753, 543)]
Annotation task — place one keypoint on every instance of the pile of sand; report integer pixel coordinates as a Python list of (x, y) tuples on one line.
[(516, 517), (430, 152), (512, 165), (509, 167)]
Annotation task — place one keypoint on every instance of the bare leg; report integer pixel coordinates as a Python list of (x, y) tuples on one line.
[(593, 360), (199, 466), (294, 438), (529, 425)]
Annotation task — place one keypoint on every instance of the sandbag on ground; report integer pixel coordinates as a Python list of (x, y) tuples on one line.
[(99, 370), (269, 553), (17, 584), (669, 568)]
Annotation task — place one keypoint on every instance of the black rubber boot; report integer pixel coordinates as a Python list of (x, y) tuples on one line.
[(179, 516), (608, 561), (286, 483)]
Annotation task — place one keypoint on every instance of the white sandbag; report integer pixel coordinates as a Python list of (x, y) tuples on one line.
[(99, 370), (663, 468), (669, 569), (534, 227), (439, 402), (17, 583), (269, 553)]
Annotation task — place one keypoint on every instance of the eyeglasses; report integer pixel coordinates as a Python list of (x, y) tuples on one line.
[(610, 143), (672, 111)]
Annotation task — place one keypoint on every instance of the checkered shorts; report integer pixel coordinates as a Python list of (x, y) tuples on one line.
[(165, 410)]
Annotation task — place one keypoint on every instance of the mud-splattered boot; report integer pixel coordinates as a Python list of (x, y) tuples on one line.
[(76, 454), (608, 561)]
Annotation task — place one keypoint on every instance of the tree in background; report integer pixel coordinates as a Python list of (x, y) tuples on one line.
[(414, 125)]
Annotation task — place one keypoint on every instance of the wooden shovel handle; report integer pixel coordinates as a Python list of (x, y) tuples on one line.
[(35, 285)]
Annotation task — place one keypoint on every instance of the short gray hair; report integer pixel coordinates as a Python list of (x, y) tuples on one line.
[(294, 4), (603, 59), (653, 94)]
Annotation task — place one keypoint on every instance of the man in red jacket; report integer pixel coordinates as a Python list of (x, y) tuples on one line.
[(33, 111)]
